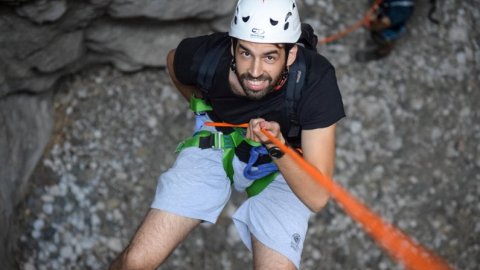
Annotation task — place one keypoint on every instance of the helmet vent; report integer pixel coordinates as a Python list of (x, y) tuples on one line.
[(273, 22), (288, 16), (285, 27), (235, 20), (245, 19)]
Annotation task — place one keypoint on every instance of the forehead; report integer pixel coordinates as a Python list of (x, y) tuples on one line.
[(260, 47)]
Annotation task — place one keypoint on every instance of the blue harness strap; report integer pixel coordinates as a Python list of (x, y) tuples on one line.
[(253, 173)]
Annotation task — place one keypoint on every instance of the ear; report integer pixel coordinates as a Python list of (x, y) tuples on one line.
[(292, 55)]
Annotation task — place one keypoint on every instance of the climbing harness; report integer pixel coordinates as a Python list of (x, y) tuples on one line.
[(262, 175), (205, 139), (253, 173)]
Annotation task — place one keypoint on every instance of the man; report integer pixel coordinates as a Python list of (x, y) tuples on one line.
[(249, 86), (386, 27)]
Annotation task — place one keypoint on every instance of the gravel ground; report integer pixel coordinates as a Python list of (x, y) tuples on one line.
[(408, 148)]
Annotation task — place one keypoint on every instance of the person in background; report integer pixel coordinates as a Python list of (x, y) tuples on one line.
[(386, 26)]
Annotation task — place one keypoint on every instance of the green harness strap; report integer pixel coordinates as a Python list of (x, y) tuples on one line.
[(228, 143), (260, 184), (220, 141), (198, 105)]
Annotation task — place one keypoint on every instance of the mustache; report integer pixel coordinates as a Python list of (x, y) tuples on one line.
[(262, 77)]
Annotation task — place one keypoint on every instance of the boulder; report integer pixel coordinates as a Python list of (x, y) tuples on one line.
[(133, 46), (170, 10), (43, 11), (26, 122)]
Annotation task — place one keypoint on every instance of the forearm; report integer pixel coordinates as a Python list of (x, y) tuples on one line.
[(318, 149), (307, 189)]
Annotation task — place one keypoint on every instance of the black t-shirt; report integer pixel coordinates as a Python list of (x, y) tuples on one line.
[(320, 104)]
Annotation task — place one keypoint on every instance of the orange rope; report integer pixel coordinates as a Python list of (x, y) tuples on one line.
[(220, 124), (348, 30), (395, 242)]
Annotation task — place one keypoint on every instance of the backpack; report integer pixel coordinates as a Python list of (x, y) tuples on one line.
[(296, 74)]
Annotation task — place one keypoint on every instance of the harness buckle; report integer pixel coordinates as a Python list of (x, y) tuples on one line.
[(218, 140)]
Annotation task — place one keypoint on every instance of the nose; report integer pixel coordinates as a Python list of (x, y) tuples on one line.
[(255, 68)]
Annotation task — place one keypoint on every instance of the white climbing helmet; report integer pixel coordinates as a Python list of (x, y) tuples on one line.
[(266, 21)]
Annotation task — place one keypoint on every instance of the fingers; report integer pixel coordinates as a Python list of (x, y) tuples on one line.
[(254, 130)]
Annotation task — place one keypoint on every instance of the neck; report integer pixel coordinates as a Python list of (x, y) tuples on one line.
[(235, 84)]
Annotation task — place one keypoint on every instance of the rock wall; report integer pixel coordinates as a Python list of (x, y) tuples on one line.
[(26, 122), (41, 41)]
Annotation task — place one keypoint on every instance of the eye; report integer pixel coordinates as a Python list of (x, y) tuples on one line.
[(245, 53), (270, 59)]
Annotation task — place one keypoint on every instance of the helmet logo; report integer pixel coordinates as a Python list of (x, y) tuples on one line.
[(258, 33)]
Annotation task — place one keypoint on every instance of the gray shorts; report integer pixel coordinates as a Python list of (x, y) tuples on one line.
[(197, 187)]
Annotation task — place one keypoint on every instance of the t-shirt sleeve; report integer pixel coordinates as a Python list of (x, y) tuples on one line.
[(321, 105), (186, 61)]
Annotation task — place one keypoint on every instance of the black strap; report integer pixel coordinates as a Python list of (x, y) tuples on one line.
[(296, 79), (206, 142), (207, 69)]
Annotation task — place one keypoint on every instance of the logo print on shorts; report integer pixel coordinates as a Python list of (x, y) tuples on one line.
[(296, 238)]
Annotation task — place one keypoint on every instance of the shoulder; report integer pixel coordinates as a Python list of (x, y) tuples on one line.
[(320, 104), (316, 63), (191, 52), (318, 69)]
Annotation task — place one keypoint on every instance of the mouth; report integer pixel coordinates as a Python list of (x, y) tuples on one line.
[(256, 85)]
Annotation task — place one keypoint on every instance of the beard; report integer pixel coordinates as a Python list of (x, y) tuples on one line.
[(257, 94)]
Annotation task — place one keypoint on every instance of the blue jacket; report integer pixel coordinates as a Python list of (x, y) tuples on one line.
[(398, 11)]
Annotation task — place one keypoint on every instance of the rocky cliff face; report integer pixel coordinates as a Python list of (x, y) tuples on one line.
[(43, 40), (408, 147)]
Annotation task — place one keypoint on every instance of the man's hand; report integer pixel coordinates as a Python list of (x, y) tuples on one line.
[(379, 24), (254, 131)]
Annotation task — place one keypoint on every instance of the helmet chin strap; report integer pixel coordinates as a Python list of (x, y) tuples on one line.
[(283, 79), (281, 82)]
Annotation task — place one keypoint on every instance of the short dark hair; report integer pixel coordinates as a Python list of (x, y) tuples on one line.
[(286, 46)]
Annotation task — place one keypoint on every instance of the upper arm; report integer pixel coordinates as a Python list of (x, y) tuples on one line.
[(318, 147), (319, 111), (170, 59), (186, 90)]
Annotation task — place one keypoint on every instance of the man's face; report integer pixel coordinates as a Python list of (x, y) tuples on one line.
[(259, 67)]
